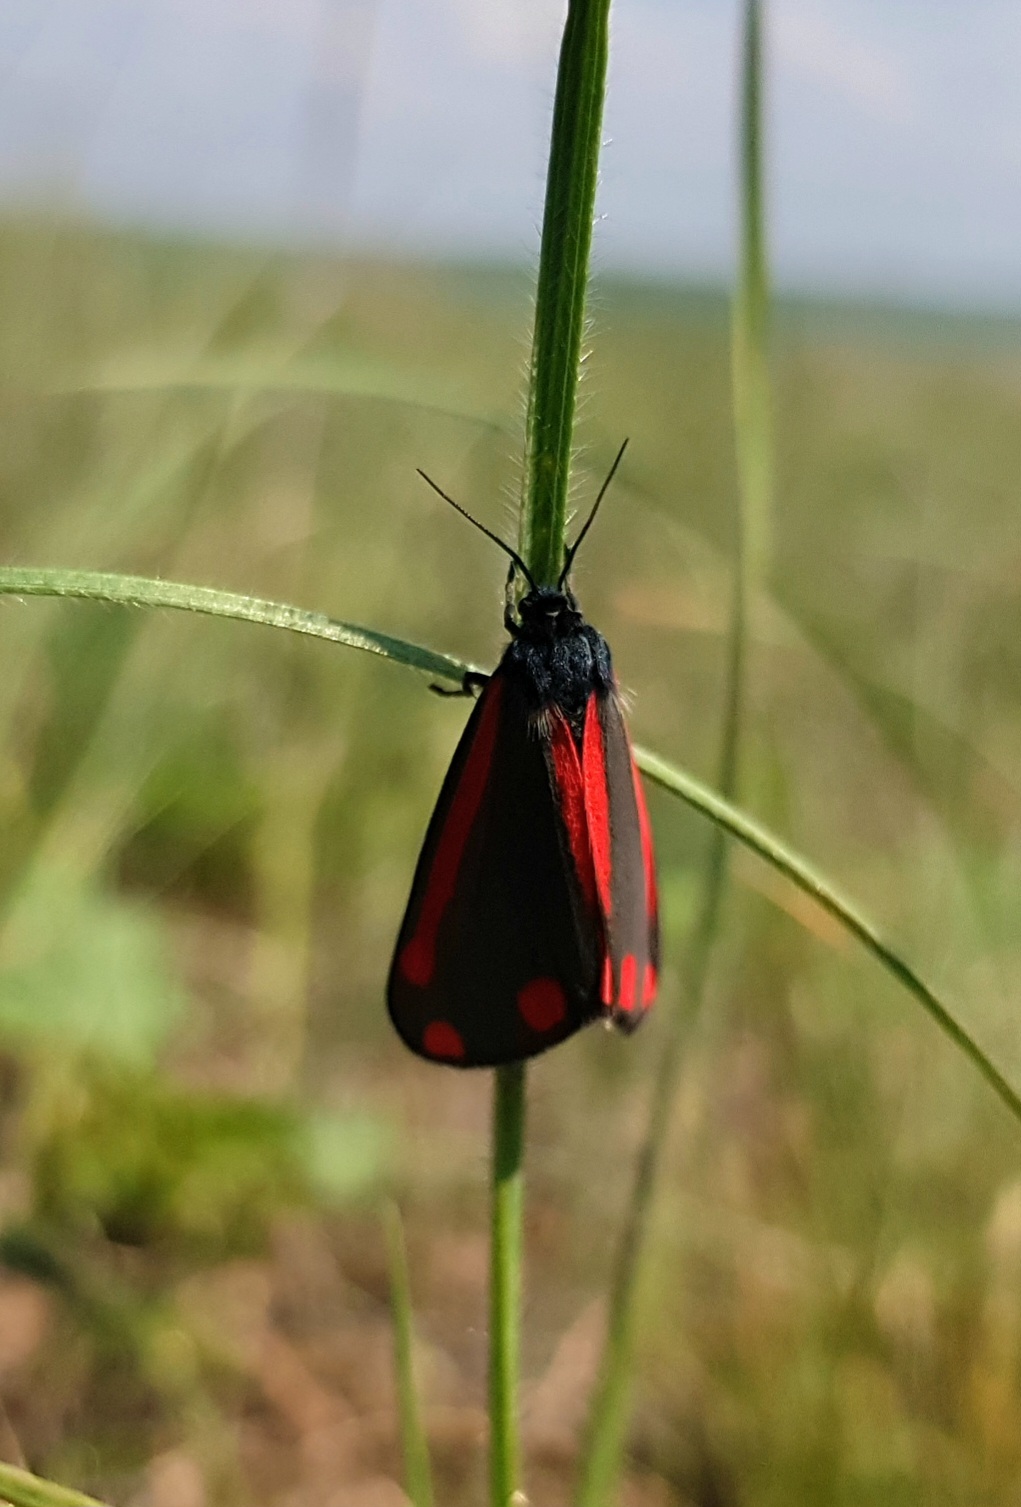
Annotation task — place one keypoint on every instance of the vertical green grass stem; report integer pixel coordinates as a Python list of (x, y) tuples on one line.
[(608, 1418), (414, 1446), (750, 326), (505, 1282), (563, 283), (552, 392)]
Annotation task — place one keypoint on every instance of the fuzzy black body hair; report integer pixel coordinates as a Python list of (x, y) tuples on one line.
[(555, 657)]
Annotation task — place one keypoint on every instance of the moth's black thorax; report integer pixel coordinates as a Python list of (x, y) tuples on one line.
[(555, 656)]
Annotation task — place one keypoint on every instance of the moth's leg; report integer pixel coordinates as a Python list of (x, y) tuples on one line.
[(471, 685)]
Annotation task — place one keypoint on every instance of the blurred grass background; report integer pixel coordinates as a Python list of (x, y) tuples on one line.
[(209, 831)]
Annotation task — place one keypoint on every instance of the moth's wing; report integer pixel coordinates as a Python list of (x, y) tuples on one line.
[(501, 947), (625, 869)]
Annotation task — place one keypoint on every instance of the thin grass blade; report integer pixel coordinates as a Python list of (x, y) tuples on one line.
[(414, 1445), (843, 910), (22, 1489), (139, 591), (606, 1430), (266, 373)]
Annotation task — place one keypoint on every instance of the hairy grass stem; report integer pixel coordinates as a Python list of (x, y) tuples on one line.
[(554, 372)]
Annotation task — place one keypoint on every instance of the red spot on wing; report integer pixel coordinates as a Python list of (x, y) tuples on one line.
[(543, 1004), (418, 957), (439, 1039), (597, 804), (628, 980), (649, 986), (571, 800)]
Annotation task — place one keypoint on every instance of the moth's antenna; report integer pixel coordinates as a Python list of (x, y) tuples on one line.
[(482, 528), (569, 557)]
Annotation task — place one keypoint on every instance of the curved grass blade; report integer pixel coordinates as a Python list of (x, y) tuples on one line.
[(22, 1489), (843, 910), (964, 788), (136, 591), (348, 376), (140, 591)]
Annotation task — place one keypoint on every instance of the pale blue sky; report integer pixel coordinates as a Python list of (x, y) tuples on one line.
[(895, 129)]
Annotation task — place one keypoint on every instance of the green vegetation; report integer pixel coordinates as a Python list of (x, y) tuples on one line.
[(209, 832)]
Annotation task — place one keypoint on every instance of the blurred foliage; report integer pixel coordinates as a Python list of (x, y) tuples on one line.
[(83, 972), (209, 831)]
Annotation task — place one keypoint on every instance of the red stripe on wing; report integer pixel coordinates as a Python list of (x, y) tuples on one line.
[(597, 804), (418, 957), (571, 800), (621, 842)]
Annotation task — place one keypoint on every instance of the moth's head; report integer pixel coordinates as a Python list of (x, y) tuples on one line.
[(549, 612)]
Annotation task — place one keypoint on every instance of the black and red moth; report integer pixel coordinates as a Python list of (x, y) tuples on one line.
[(533, 909)]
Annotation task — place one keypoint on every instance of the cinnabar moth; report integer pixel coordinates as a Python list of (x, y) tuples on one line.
[(533, 909)]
